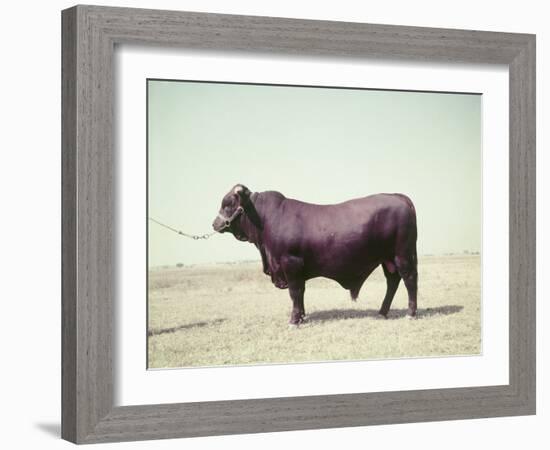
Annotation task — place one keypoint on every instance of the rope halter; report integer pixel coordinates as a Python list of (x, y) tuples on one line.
[(227, 221)]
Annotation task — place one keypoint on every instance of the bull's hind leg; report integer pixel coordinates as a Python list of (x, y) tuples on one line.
[(406, 266), (392, 282)]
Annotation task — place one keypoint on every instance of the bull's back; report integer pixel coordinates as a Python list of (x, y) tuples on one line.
[(374, 217)]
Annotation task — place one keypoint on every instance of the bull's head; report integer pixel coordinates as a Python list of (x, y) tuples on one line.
[(231, 211)]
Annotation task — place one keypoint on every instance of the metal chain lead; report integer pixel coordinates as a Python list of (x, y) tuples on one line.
[(195, 237)]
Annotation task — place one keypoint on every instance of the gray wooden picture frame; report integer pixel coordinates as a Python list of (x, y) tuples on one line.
[(89, 36)]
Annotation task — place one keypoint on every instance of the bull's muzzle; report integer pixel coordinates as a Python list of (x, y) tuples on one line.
[(222, 222), (219, 225)]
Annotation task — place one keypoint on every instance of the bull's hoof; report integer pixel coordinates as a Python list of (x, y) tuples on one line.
[(293, 326), (296, 323), (409, 317), (382, 316)]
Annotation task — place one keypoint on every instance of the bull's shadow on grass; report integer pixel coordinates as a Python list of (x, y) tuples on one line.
[(343, 314), (186, 326)]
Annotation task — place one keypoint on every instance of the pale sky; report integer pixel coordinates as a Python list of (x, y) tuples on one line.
[(318, 145)]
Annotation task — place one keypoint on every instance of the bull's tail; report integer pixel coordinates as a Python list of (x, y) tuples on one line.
[(410, 204), (412, 236)]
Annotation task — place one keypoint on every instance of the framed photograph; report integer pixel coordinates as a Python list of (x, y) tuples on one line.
[(279, 224)]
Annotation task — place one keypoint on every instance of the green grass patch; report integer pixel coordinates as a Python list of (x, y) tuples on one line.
[(231, 314)]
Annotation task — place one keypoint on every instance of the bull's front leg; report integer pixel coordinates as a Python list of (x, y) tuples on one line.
[(277, 273), (265, 264), (296, 290), (293, 270)]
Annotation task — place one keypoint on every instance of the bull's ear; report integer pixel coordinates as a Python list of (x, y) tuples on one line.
[(242, 191)]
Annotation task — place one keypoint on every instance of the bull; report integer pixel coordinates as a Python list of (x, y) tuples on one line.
[(344, 242)]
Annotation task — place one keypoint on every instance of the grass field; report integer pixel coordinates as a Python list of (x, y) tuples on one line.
[(223, 314)]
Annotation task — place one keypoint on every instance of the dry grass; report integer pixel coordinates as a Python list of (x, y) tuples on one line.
[(231, 314)]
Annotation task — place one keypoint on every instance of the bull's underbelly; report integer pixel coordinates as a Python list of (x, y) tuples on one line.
[(345, 271), (346, 256), (346, 265)]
